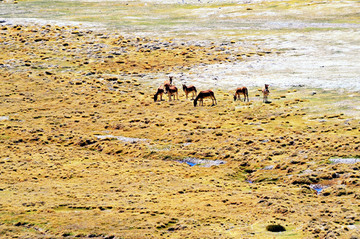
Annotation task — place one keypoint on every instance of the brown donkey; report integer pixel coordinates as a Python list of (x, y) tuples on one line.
[(172, 91), (205, 94), (265, 92), (190, 89), (160, 92), (241, 90), (168, 82)]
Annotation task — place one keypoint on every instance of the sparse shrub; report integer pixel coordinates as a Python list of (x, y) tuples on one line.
[(66, 234), (275, 228), (301, 180)]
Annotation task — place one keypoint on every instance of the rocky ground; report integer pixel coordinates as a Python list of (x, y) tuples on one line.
[(86, 152)]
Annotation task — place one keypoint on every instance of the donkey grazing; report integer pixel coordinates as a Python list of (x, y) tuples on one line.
[(241, 90), (205, 94)]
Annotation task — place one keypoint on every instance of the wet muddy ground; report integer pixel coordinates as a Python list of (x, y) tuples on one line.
[(86, 152)]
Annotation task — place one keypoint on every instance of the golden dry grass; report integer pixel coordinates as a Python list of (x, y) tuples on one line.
[(58, 179)]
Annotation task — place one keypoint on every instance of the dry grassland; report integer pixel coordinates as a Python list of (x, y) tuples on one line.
[(62, 88)]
